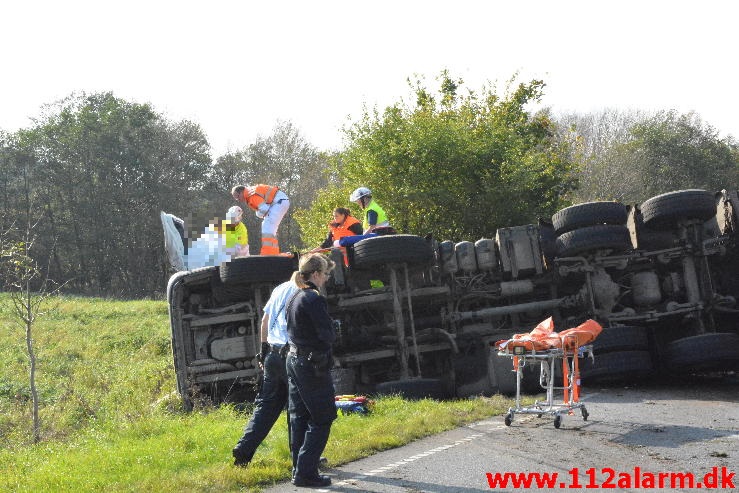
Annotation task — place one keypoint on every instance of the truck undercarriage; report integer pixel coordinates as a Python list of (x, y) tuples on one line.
[(418, 316)]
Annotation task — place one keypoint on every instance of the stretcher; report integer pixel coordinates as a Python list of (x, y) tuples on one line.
[(551, 350)]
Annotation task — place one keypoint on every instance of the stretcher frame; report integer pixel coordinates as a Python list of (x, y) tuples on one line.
[(548, 359)]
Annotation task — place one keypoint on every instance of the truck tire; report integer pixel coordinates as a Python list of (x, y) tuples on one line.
[(617, 366), (651, 239), (344, 380), (249, 270), (382, 250), (589, 214), (705, 352), (432, 388), (602, 237), (613, 339), (505, 377), (664, 211)]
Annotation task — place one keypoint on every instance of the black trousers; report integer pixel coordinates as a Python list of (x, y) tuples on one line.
[(312, 410), (270, 402)]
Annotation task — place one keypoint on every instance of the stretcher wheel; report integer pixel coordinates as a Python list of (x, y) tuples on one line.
[(585, 413), (508, 419), (557, 421)]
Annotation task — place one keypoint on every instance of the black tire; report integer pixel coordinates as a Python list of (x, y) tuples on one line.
[(249, 270), (619, 366), (664, 211), (612, 339), (420, 388), (505, 377), (589, 214), (611, 237), (382, 250), (651, 239), (344, 381), (706, 352)]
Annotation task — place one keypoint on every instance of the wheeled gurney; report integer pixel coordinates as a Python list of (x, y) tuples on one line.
[(551, 350)]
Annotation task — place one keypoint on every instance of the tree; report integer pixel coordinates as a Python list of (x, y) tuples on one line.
[(605, 174), (674, 151), (458, 165), (30, 292), (102, 169), (631, 155)]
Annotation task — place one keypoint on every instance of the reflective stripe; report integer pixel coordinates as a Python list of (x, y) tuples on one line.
[(270, 246), (266, 192), (261, 193)]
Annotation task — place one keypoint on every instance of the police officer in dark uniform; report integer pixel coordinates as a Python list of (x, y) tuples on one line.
[(311, 391)]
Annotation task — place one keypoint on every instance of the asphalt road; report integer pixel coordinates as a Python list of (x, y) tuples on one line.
[(690, 426)]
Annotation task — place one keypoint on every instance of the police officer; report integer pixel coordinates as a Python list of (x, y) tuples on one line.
[(311, 391), (272, 396)]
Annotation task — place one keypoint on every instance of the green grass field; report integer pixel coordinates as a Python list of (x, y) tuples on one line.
[(111, 419)]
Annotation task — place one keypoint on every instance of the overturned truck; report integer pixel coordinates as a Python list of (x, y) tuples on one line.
[(418, 316)]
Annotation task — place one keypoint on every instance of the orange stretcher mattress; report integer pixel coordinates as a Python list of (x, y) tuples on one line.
[(543, 337)]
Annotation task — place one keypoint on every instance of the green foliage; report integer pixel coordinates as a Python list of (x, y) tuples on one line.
[(99, 362), (457, 165), (675, 151), (631, 156), (97, 170), (192, 452)]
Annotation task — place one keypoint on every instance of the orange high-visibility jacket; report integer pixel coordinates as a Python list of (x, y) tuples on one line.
[(254, 196), (342, 230)]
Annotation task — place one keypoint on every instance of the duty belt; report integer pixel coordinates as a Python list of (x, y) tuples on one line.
[(303, 351)]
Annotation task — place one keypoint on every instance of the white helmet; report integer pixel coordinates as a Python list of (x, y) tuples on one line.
[(359, 193), (234, 213)]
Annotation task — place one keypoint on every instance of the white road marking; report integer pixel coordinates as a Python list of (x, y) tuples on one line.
[(412, 458)]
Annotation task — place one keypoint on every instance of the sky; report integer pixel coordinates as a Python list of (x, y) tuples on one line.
[(237, 68)]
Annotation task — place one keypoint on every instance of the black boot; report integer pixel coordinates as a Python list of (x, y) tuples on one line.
[(240, 460), (318, 481)]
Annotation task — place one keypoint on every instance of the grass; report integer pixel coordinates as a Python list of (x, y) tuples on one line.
[(111, 419)]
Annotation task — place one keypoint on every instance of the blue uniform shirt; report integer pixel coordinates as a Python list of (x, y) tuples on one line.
[(275, 308), (308, 322)]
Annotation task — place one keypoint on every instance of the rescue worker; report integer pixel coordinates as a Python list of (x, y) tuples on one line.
[(270, 204), (272, 396), (375, 219), (311, 392), (235, 234), (343, 225)]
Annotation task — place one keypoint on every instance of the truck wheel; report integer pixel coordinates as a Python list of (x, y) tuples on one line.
[(344, 381), (651, 239), (611, 237), (617, 366), (249, 270), (505, 377), (420, 388), (613, 339), (705, 352), (382, 250), (589, 214), (664, 211)]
